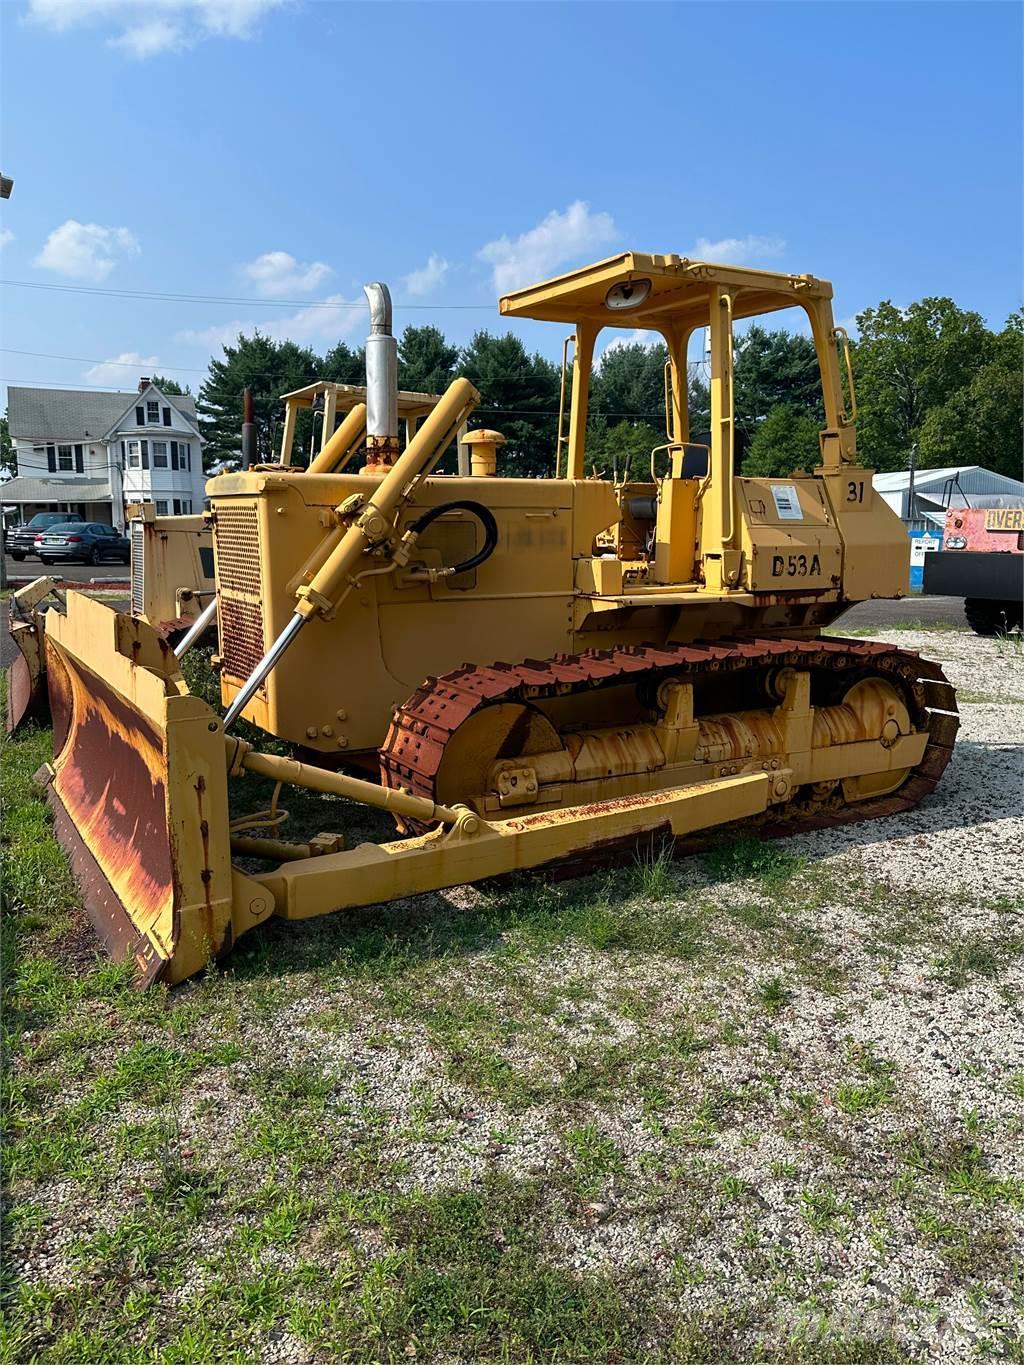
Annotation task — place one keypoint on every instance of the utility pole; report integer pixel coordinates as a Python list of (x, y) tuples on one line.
[(249, 455), (910, 487), (6, 186)]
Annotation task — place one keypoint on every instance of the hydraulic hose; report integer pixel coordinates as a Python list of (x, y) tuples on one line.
[(484, 516)]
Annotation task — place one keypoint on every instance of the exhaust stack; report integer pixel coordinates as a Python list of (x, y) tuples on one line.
[(381, 382)]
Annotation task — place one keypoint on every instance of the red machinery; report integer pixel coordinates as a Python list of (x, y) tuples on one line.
[(982, 561)]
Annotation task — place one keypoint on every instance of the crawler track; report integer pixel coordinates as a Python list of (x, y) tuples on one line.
[(411, 755)]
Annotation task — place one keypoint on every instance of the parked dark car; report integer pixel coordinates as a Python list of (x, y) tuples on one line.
[(89, 541), (21, 540)]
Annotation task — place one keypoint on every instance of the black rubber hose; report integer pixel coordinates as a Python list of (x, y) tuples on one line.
[(486, 519)]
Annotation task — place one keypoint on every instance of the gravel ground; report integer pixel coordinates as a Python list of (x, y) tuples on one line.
[(778, 1100)]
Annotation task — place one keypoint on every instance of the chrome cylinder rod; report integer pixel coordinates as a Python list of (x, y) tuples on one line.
[(255, 678), (196, 629)]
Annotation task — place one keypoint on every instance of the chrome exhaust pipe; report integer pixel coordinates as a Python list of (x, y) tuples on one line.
[(381, 381)]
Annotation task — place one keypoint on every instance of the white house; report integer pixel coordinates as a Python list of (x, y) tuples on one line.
[(93, 453)]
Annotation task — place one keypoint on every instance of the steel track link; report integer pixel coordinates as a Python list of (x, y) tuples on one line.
[(411, 755)]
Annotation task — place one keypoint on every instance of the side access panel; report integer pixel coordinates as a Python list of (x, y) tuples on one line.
[(789, 537)]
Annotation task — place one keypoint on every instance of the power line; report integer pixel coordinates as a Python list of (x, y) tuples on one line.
[(89, 360), (234, 301), (511, 412)]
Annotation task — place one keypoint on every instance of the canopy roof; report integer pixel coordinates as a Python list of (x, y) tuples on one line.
[(653, 291), (410, 404)]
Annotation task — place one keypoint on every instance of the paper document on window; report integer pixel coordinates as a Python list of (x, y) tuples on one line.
[(787, 502)]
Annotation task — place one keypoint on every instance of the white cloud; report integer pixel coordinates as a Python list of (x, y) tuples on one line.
[(146, 40), (560, 238), (144, 28), (640, 337), (86, 251), (334, 317), (6, 236), (427, 278), (122, 371), (737, 250), (277, 273)]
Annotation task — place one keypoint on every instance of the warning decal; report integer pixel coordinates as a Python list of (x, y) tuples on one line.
[(787, 502)]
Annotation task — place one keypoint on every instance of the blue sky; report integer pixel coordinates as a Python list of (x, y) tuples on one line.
[(283, 151)]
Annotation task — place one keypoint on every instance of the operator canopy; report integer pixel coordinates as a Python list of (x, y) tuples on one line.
[(635, 289)]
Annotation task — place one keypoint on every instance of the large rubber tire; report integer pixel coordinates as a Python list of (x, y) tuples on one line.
[(94, 557), (18, 556), (986, 617)]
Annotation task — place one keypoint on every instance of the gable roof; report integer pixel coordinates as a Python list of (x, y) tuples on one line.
[(41, 414), (174, 400), (975, 478)]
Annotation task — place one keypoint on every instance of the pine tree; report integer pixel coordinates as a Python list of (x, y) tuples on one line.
[(426, 361), (169, 386), (520, 398), (270, 369)]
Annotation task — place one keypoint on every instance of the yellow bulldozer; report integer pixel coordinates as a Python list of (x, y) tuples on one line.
[(521, 671)]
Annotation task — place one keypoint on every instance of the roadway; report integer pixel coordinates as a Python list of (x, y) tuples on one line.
[(23, 571)]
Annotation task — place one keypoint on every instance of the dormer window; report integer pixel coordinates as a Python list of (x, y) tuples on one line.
[(152, 412)]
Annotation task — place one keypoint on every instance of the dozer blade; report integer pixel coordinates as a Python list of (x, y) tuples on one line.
[(138, 788), (26, 675)]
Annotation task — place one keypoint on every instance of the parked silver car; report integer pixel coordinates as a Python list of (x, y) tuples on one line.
[(89, 541)]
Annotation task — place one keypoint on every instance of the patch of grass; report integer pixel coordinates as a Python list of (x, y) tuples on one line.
[(595, 1154), (863, 1099), (733, 1187), (774, 994), (754, 859), (654, 871), (464, 1274), (37, 882), (822, 1209), (1009, 646), (875, 1088), (970, 958)]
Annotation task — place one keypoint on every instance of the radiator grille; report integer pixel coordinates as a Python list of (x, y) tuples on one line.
[(138, 544), (238, 585)]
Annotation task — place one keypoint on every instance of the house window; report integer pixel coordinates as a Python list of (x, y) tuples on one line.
[(159, 454), (185, 450), (134, 455), (152, 412), (161, 507), (65, 458)]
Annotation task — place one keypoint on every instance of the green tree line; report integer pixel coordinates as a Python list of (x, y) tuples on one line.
[(931, 375)]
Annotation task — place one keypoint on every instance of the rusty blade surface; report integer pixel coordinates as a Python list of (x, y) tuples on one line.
[(25, 697), (109, 792), (26, 683)]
